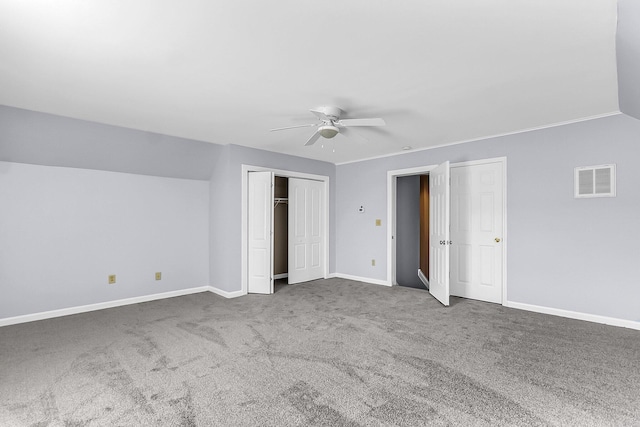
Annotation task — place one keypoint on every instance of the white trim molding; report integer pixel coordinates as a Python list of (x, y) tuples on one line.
[(226, 294), (392, 178), (484, 138), (423, 278), (611, 321), (99, 306), (359, 279)]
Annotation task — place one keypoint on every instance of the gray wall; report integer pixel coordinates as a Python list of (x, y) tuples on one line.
[(565, 253), (85, 197), (226, 208), (628, 56), (49, 140), (408, 230), (63, 231)]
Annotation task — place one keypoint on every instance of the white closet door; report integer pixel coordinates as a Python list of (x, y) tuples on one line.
[(306, 230), (260, 203), (476, 231), (439, 242)]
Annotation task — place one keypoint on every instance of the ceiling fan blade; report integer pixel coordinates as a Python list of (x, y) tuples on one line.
[(361, 122), (294, 127), (313, 139), (320, 114)]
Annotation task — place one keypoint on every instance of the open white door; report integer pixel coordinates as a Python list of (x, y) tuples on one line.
[(306, 230), (439, 195), (260, 218)]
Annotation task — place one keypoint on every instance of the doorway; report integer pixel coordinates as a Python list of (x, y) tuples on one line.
[(271, 250), (412, 231), (471, 250)]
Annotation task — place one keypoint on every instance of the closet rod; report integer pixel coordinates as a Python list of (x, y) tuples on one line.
[(279, 200)]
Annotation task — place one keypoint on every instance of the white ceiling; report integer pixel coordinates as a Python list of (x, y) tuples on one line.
[(227, 71)]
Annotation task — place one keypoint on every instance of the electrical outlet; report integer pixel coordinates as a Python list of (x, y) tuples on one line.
[(373, 262), (158, 276), (112, 279)]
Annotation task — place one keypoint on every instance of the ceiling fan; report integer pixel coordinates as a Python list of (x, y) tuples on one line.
[(331, 124)]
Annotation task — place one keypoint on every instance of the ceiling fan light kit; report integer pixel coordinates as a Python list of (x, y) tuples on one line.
[(328, 131), (331, 123)]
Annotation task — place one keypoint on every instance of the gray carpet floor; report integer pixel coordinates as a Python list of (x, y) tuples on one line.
[(330, 352)]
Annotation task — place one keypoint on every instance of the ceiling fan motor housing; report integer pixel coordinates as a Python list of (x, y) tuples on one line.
[(331, 112)]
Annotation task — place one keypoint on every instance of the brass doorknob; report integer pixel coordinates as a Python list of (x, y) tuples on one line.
[(497, 240)]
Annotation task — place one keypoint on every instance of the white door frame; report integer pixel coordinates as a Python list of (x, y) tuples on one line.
[(245, 215), (392, 179)]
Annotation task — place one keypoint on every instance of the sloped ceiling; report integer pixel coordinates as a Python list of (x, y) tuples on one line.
[(226, 72), (628, 56)]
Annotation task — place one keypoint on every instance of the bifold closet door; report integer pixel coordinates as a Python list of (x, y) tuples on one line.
[(306, 230), (260, 226)]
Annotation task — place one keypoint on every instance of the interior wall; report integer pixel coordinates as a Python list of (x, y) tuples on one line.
[(226, 223), (628, 56), (220, 219), (65, 230), (50, 140), (562, 252), (408, 230)]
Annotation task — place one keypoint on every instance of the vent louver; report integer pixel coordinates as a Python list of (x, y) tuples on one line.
[(595, 181)]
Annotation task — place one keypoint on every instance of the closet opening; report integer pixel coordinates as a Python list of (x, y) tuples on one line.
[(412, 231), (300, 204), (280, 232)]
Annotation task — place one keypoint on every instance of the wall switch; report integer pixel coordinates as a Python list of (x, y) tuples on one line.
[(158, 276), (378, 222), (373, 262), (112, 279)]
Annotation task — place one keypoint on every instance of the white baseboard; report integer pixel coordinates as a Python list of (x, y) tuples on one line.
[(98, 306), (575, 315), (280, 276), (631, 324), (226, 294), (423, 278), (359, 279)]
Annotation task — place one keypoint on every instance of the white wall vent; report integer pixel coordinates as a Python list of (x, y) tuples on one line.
[(595, 181)]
